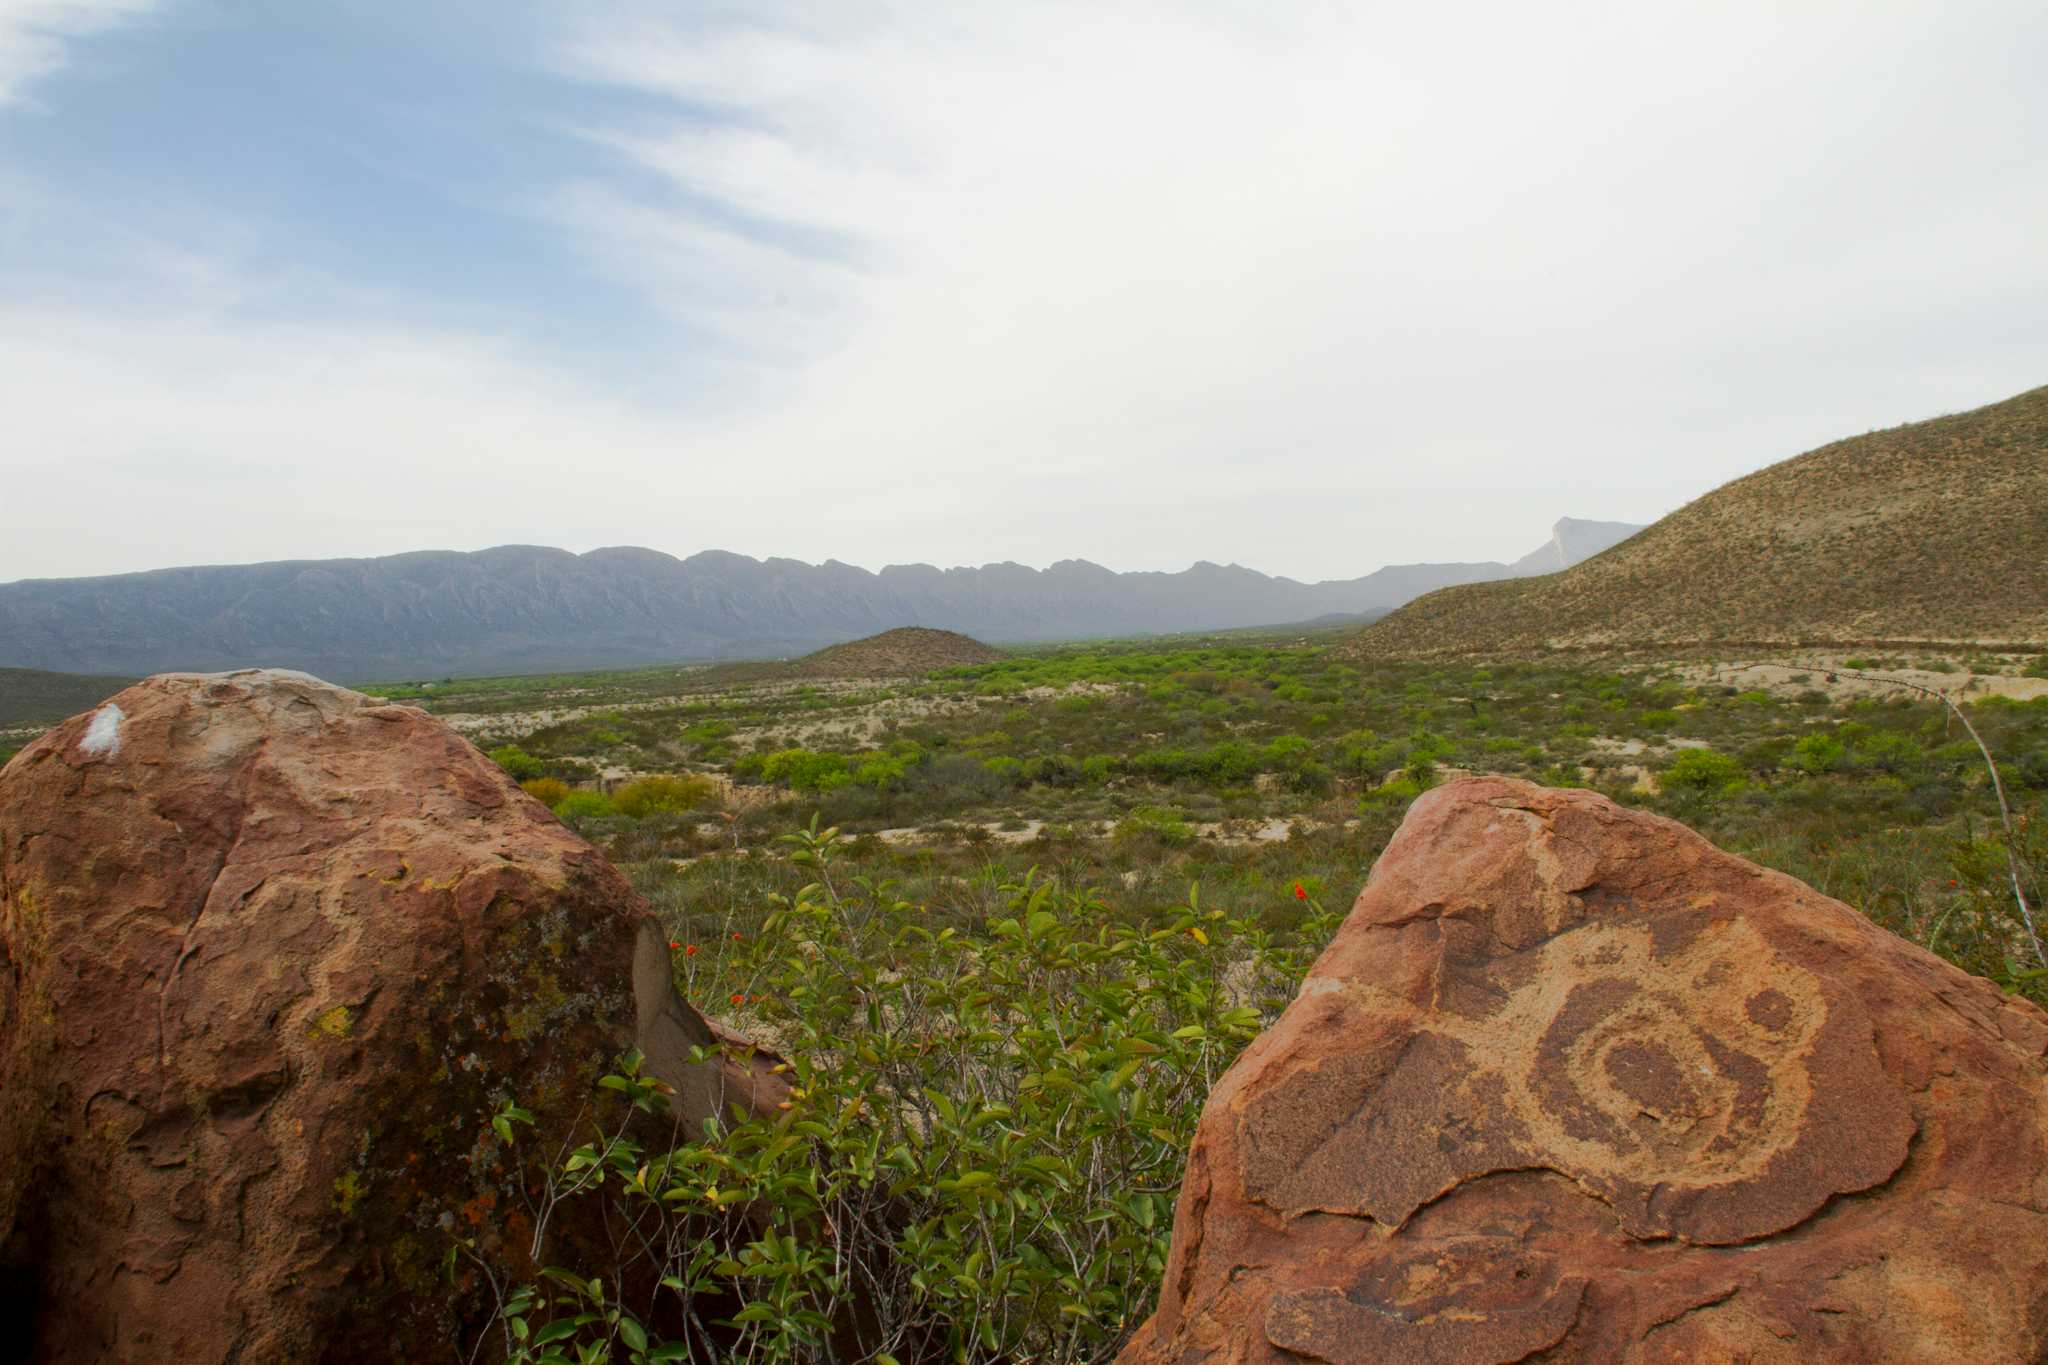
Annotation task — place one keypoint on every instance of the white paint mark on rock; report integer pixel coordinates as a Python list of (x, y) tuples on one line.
[(103, 736)]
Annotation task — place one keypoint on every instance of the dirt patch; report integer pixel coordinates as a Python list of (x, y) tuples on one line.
[(1824, 673)]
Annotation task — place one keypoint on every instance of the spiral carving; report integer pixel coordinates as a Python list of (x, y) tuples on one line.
[(1670, 1067)]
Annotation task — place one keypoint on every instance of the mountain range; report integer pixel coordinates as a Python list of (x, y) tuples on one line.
[(522, 608), (1932, 533)]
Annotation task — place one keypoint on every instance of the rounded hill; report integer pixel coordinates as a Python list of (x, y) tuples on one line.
[(907, 650), (1930, 532)]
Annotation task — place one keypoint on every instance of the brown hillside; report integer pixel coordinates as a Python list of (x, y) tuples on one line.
[(1936, 531), (904, 651)]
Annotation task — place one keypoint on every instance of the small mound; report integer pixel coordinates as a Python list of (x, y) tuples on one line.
[(905, 651)]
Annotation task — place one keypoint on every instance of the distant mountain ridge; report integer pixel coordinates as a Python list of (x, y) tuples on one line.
[(522, 608), (1932, 532)]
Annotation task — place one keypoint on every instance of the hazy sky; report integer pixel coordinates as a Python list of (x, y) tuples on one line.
[(1309, 287)]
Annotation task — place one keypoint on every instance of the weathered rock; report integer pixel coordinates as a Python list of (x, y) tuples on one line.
[(271, 953), (1571, 1083)]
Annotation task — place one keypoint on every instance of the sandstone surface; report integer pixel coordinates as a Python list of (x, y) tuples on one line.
[(1570, 1083), (271, 955)]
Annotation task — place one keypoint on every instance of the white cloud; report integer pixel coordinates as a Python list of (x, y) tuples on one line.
[(1318, 286), (35, 36), (1313, 288)]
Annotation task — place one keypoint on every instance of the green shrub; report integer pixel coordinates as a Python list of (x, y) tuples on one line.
[(1659, 720), (1890, 752), (982, 1148), (516, 761), (1817, 754), (1051, 770), (549, 791), (880, 772), (644, 796), (1703, 772), (583, 805), (1286, 753), (1310, 779), (1399, 792), (1155, 824), (806, 771)]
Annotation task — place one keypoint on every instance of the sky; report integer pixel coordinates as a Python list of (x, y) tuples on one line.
[(1308, 287)]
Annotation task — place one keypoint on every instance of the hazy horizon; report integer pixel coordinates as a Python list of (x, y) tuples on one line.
[(1312, 291), (874, 568)]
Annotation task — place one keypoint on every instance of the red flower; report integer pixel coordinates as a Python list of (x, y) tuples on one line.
[(735, 937), (673, 945), (690, 951), (1299, 893), (739, 1000)]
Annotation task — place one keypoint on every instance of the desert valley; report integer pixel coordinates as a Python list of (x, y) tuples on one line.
[(873, 1003), (1029, 684)]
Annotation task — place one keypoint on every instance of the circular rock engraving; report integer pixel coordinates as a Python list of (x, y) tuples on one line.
[(1679, 1068)]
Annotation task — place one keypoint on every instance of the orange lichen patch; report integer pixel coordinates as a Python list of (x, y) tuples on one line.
[(478, 1209)]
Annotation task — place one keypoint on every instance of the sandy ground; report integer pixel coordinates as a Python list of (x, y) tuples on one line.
[(478, 727), (1230, 833), (1234, 832), (861, 724), (864, 725), (1633, 748), (474, 723), (1823, 672)]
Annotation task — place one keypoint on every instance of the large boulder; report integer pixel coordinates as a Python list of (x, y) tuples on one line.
[(271, 955), (1572, 1083)]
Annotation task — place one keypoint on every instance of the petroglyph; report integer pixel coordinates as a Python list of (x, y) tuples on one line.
[(1669, 1070), (1571, 1082)]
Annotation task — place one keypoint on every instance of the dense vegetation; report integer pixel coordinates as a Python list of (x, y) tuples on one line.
[(1041, 902)]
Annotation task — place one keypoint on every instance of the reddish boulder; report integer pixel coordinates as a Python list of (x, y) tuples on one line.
[(271, 954), (1571, 1083)]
